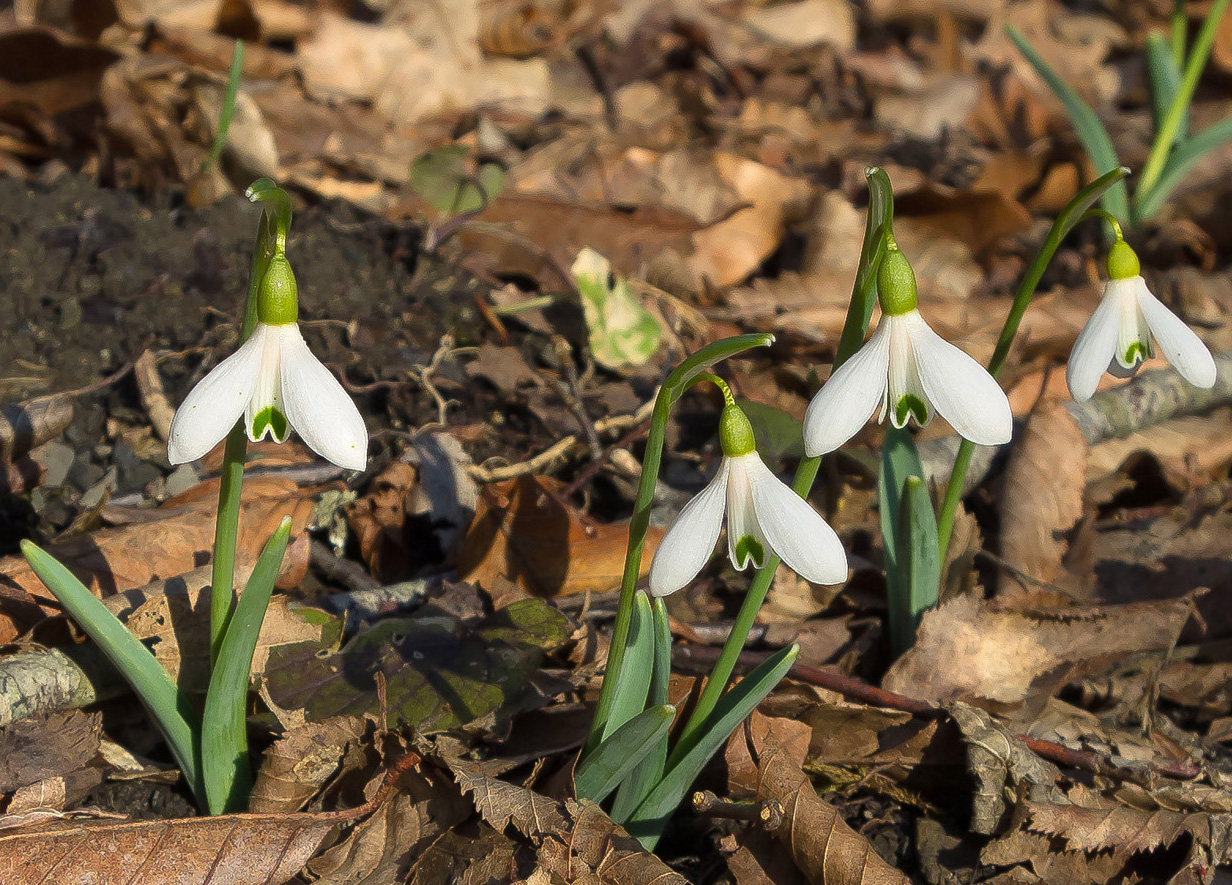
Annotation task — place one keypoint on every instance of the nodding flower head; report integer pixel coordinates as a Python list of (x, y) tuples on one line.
[(276, 384), (910, 372)]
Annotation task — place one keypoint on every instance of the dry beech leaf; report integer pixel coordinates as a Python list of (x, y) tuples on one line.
[(40, 747), (762, 731), (591, 848), (823, 846), (524, 533), (378, 521), (233, 849), (297, 765), (1011, 661), (161, 544), (1042, 497), (501, 803)]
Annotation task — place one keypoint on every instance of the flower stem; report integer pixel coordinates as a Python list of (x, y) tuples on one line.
[(1074, 212), (677, 382), (226, 531), (1171, 126)]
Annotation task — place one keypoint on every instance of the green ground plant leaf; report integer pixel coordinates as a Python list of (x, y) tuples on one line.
[(604, 769), (440, 672), (622, 332), (443, 178)]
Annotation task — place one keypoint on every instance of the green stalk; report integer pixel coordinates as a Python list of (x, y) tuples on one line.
[(1180, 27), (228, 105), (677, 382), (1070, 216), (859, 313), (1166, 137)]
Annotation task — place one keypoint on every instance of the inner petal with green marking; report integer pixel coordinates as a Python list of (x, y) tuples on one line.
[(1136, 353), (749, 547), (272, 419), (910, 405)]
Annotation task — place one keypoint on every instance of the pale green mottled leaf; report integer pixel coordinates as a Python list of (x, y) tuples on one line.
[(622, 332)]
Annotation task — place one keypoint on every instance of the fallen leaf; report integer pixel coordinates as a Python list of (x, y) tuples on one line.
[(1012, 661), (298, 765), (823, 846), (524, 533), (592, 848), (501, 804), (40, 747), (1042, 497), (440, 673), (378, 521), (622, 332)]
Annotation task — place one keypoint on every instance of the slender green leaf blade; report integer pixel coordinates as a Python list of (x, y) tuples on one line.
[(604, 769), (1091, 131), (899, 460), (1164, 77), (228, 105), (170, 708), (633, 685), (1183, 158), (918, 564), (639, 782), (224, 737), (647, 822)]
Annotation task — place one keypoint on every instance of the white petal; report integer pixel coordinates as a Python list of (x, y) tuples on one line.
[(796, 532), (846, 402), (267, 395), (689, 541), (960, 389), (1095, 348), (319, 409), (212, 407), (741, 517), (1180, 344)]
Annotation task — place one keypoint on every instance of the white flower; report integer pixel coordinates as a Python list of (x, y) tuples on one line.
[(1117, 338), (907, 369), (276, 383), (763, 515)]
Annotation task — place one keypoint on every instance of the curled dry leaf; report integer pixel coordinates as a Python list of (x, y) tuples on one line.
[(1042, 497), (1012, 661), (45, 746), (824, 847), (297, 765), (378, 521), (523, 532)]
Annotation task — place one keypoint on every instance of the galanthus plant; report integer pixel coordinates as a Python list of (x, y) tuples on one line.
[(1117, 337), (274, 383), (762, 514), (908, 371)]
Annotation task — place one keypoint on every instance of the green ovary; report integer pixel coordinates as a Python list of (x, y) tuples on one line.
[(1136, 353), (909, 404), (749, 547), (272, 419)]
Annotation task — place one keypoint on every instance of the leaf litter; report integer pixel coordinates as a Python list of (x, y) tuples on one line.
[(1064, 716)]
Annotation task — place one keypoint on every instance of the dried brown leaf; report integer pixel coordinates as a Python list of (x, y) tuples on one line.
[(378, 521), (1042, 498), (593, 849), (235, 849), (523, 532), (502, 803), (44, 746), (296, 766), (824, 847), (1012, 661), (1125, 830)]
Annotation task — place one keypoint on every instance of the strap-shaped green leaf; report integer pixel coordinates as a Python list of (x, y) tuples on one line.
[(1186, 154), (647, 822), (170, 708), (604, 769), (1164, 78), (1091, 131), (633, 681), (224, 738)]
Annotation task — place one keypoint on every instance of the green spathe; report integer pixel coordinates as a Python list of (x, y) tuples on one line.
[(896, 284), (735, 432), (1122, 262), (278, 296)]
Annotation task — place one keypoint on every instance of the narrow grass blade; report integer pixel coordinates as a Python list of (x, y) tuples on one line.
[(1163, 75), (648, 821), (228, 105), (604, 769), (170, 708), (641, 780), (1186, 154), (224, 738), (1091, 131)]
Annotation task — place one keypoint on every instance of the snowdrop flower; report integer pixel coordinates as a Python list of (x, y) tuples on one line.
[(276, 383), (1117, 337), (910, 371), (763, 515)]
